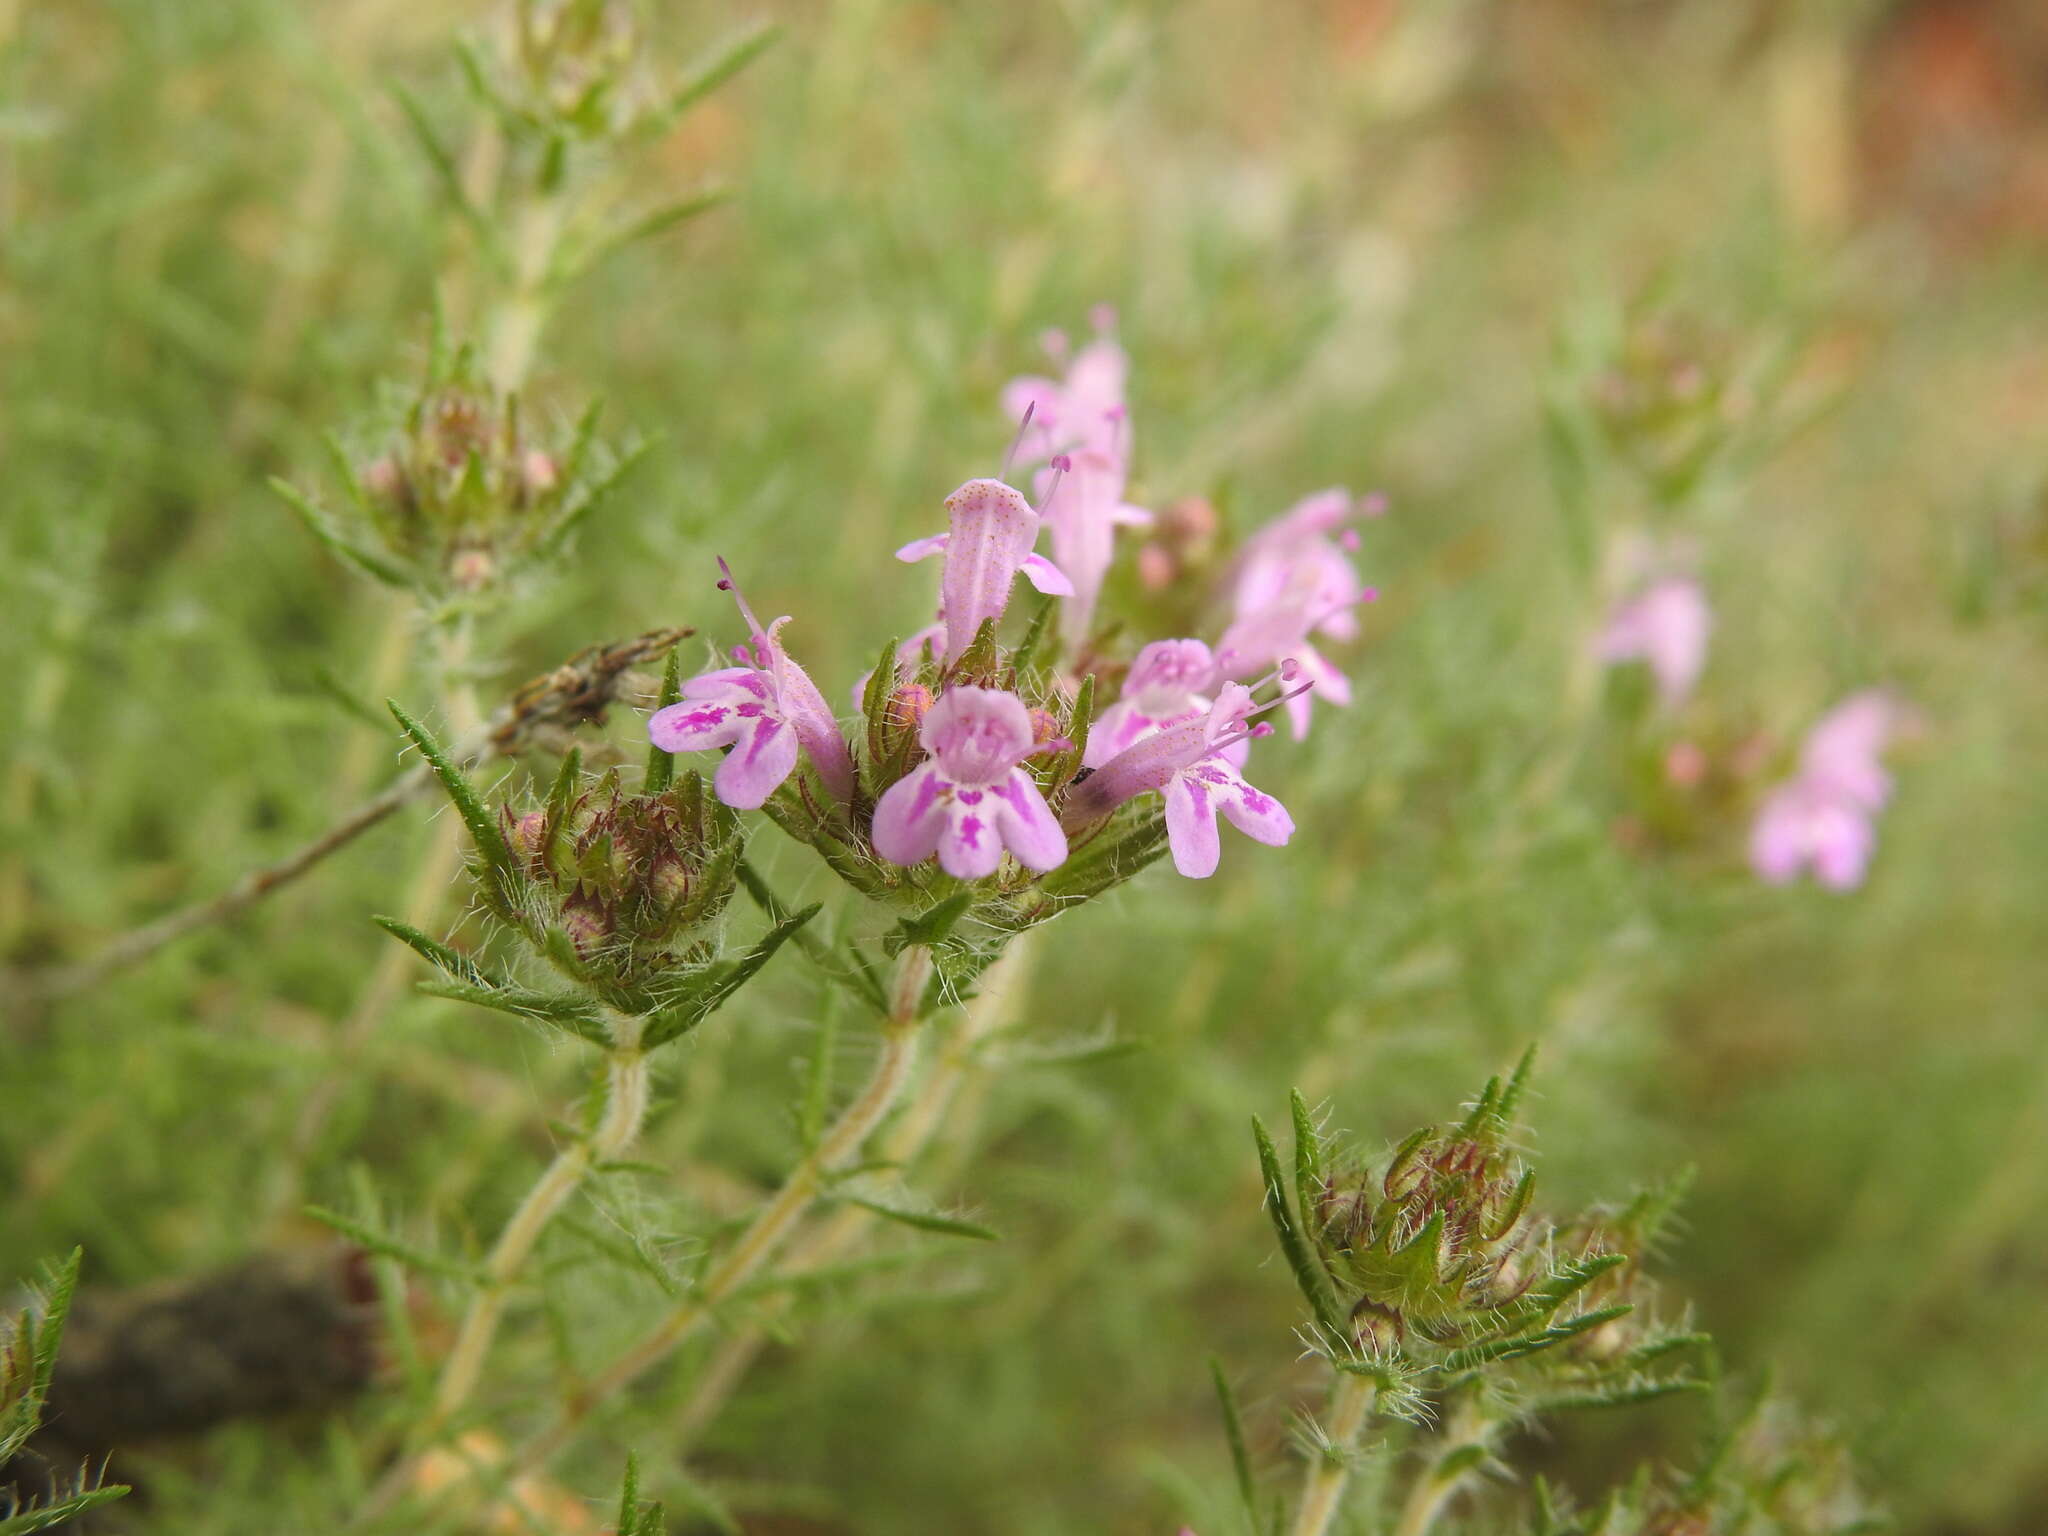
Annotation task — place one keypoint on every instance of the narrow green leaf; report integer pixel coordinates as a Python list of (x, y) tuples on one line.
[(447, 174), (574, 515), (661, 765), (715, 986), (437, 954), (930, 927), (1308, 1161), (483, 827), (381, 1242), (1301, 1258), (725, 62), (323, 528), (1024, 655), (1233, 1431), (45, 1517), (655, 221), (924, 1220), (563, 1010), (629, 1496)]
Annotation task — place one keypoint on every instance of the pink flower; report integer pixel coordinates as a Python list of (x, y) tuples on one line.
[(989, 541), (1168, 683), (1191, 764), (970, 800), (1810, 822), (1295, 580), (1824, 817), (1085, 419), (1846, 745), (764, 710), (1667, 625)]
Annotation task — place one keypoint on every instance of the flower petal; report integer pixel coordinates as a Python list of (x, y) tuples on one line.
[(1191, 828), (923, 549), (1256, 814), (969, 847), (1026, 825), (910, 816), (1047, 577), (696, 725), (757, 764)]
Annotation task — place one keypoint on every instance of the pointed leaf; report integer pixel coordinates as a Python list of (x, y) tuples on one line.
[(323, 528), (1308, 1162), (483, 827), (437, 954), (1233, 1431), (661, 765), (728, 60), (562, 1010), (379, 1241), (924, 1220), (1301, 1257), (710, 991)]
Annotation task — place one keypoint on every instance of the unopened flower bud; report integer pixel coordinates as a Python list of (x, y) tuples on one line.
[(471, 570), (908, 706), (540, 472), (586, 922)]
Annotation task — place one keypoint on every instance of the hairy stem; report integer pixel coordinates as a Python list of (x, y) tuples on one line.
[(1434, 1490), (934, 1107), (1322, 1491), (625, 1107), (764, 1236)]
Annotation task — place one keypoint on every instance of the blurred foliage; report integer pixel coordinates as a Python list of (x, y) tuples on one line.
[(1353, 241)]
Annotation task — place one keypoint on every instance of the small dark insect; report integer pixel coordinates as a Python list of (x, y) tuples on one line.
[(1077, 778)]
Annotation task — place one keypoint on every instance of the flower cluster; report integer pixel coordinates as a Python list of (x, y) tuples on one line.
[(460, 489), (1824, 816), (974, 750), (614, 887)]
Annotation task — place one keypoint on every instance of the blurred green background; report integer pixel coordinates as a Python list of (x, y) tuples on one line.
[(1393, 244)]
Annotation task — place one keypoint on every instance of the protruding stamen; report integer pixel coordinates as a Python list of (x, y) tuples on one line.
[(1017, 442), (1060, 465)]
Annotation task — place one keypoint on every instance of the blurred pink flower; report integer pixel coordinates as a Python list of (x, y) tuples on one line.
[(764, 710), (1824, 817), (989, 541), (1294, 580), (1167, 683), (1085, 419), (970, 800), (1667, 625)]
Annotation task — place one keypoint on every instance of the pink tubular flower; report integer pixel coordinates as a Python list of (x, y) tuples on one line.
[(1808, 822), (1295, 580), (1085, 419), (970, 800), (1191, 764), (764, 710), (1666, 625), (1824, 817), (1168, 683), (989, 541)]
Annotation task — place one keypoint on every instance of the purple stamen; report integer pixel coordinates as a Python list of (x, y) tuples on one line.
[(1017, 442)]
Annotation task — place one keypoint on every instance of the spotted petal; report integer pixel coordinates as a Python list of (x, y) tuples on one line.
[(1026, 824), (970, 847), (910, 816), (759, 761)]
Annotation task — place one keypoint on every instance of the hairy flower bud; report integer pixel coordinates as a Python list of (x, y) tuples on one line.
[(624, 879)]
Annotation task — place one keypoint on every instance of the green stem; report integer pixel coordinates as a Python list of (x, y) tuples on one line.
[(1322, 1491), (764, 1236), (625, 1107), (1433, 1490)]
